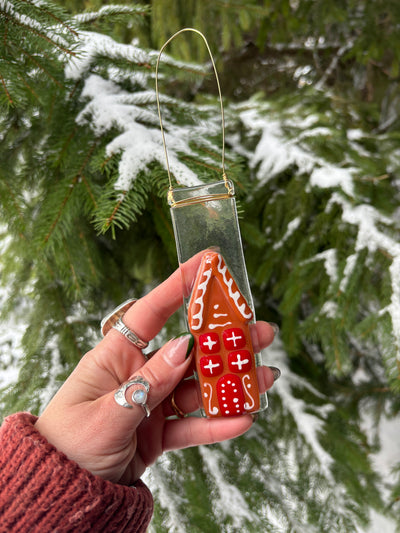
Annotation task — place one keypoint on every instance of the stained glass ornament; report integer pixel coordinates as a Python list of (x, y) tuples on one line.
[(219, 307)]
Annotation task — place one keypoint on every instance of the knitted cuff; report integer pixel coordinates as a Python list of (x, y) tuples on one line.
[(41, 490)]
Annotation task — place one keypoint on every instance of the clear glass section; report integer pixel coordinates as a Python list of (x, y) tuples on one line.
[(205, 217)]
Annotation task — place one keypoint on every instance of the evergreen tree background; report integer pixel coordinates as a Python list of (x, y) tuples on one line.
[(312, 100)]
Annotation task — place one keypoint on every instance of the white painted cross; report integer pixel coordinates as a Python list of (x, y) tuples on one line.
[(234, 338), (210, 366), (209, 343), (239, 362)]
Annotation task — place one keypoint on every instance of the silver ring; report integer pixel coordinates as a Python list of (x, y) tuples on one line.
[(118, 312), (129, 334), (114, 320), (139, 395)]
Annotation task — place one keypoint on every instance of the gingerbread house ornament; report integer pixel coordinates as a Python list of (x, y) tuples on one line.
[(219, 317)]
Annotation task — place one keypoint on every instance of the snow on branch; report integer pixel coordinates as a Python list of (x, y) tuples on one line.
[(309, 425), (134, 114), (282, 140), (95, 45), (333, 64), (109, 11), (275, 152), (368, 220), (291, 228), (139, 141), (329, 257)]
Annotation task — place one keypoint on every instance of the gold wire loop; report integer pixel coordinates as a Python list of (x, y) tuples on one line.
[(227, 182)]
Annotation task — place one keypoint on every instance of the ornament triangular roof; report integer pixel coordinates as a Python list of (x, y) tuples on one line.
[(213, 269)]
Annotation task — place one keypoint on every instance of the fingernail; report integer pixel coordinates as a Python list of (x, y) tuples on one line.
[(276, 372), (254, 417), (275, 327), (190, 344), (177, 353)]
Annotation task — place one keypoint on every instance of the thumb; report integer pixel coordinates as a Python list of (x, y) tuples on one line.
[(162, 372)]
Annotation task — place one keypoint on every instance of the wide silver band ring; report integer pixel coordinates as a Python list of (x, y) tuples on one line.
[(139, 395), (129, 334), (114, 320)]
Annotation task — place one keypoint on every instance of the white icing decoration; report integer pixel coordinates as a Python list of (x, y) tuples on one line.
[(209, 343), (247, 406), (210, 366), (234, 339), (199, 300), (213, 326), (234, 295), (240, 362), (212, 410)]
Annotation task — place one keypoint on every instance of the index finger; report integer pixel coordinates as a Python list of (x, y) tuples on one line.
[(149, 314)]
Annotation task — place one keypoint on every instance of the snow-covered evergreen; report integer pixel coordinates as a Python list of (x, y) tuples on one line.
[(83, 195)]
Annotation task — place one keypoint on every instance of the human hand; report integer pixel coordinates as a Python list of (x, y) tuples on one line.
[(84, 421)]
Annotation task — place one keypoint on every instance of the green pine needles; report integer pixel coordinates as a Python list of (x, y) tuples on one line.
[(327, 229), (84, 225)]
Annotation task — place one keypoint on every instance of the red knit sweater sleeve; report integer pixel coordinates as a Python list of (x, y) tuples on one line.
[(41, 490)]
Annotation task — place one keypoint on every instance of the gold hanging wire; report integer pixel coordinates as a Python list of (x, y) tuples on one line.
[(228, 184)]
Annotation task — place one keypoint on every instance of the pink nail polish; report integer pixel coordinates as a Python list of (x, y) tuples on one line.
[(179, 349)]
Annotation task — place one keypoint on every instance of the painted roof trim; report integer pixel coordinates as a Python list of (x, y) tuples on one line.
[(218, 270)]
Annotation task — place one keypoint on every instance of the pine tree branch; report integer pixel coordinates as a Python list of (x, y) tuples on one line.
[(66, 144), (71, 266), (88, 255), (63, 204), (69, 193), (106, 12), (385, 253), (67, 323), (39, 34), (111, 218), (89, 190), (106, 161), (74, 88), (5, 35), (50, 14), (201, 163), (336, 348), (30, 89), (373, 179), (333, 64), (17, 207), (165, 221), (10, 100), (40, 67)]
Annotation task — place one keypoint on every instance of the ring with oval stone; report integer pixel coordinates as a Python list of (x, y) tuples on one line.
[(139, 395)]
